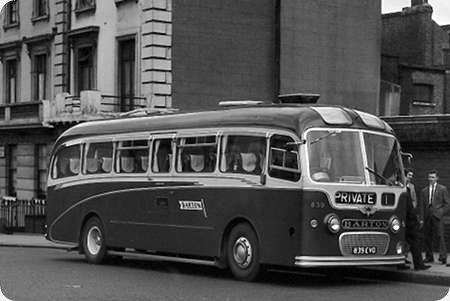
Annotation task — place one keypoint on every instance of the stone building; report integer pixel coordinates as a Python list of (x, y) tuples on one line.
[(68, 61), (416, 58)]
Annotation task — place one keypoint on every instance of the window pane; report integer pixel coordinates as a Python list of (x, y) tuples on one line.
[(335, 156), (67, 162), (243, 154), (132, 156), (284, 158), (197, 154), (383, 158), (162, 155), (99, 158), (423, 92)]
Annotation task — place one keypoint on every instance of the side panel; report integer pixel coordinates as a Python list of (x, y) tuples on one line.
[(152, 216)]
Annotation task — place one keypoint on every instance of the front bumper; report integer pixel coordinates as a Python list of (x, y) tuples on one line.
[(327, 261)]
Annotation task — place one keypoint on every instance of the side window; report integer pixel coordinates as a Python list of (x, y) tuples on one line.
[(284, 158), (162, 155), (67, 162), (99, 158), (196, 154), (132, 156), (242, 154)]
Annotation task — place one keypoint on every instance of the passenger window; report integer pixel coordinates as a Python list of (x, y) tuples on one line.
[(67, 162), (196, 154), (284, 158), (162, 155), (243, 154), (132, 156), (98, 158)]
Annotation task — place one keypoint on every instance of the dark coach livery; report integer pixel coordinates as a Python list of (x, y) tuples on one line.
[(243, 188)]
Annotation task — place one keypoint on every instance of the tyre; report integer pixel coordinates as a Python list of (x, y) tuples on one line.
[(93, 241), (243, 252)]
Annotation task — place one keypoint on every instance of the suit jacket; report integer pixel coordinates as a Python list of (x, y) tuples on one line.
[(440, 203)]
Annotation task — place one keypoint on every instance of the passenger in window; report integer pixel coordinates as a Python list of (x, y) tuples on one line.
[(163, 157), (234, 160), (211, 158)]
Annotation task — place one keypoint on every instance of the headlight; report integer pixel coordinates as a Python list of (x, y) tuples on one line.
[(394, 224), (333, 222)]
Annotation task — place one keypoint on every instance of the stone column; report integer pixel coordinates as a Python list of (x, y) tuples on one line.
[(61, 57), (156, 54)]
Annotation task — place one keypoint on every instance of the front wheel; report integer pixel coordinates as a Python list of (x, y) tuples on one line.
[(243, 253), (93, 241)]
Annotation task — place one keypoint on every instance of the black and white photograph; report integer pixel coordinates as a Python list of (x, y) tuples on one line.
[(224, 150)]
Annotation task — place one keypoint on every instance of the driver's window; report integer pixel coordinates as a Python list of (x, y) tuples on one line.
[(284, 159)]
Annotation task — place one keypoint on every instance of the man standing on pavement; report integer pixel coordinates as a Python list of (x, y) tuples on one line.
[(414, 224), (435, 200)]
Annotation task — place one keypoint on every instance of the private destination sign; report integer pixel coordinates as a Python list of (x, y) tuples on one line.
[(358, 198)]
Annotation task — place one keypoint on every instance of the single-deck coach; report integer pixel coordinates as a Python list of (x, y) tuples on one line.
[(237, 187)]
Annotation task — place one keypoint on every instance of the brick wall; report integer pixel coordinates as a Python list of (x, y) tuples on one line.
[(406, 34), (332, 48), (222, 49), (410, 76)]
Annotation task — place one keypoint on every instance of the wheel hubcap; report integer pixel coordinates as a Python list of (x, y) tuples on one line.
[(94, 240), (242, 252)]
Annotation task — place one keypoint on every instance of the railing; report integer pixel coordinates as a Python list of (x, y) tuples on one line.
[(20, 111), (113, 103), (89, 105), (22, 215)]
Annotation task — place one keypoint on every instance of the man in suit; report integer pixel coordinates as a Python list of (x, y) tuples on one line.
[(435, 201), (413, 225)]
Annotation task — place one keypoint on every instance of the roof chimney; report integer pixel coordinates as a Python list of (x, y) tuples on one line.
[(418, 2)]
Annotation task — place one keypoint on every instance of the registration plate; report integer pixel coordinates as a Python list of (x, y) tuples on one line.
[(364, 250)]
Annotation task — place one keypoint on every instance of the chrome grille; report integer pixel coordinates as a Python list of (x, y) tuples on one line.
[(349, 240)]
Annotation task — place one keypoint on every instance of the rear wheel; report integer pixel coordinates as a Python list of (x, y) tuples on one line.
[(243, 253), (93, 241)]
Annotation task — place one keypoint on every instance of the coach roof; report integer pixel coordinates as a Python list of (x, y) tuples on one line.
[(296, 118)]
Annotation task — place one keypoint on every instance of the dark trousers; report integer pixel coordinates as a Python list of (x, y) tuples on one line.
[(434, 226), (413, 240)]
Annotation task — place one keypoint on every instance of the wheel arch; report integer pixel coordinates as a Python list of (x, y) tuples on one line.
[(226, 232), (85, 219)]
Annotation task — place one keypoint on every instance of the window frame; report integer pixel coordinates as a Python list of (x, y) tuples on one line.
[(35, 85), (11, 189), (182, 135), (263, 134), (155, 138), (85, 152), (269, 157), (40, 10), (9, 11), (40, 171), (117, 148), (7, 85), (82, 6), (430, 92), (54, 156)]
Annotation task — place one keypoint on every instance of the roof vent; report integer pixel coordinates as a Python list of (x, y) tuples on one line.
[(232, 103), (299, 98)]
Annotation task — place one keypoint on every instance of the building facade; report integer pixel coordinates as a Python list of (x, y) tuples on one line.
[(415, 58), (68, 61)]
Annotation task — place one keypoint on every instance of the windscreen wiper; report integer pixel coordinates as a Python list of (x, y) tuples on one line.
[(386, 180), (332, 133)]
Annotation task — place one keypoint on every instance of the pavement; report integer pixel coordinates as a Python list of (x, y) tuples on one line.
[(438, 274)]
